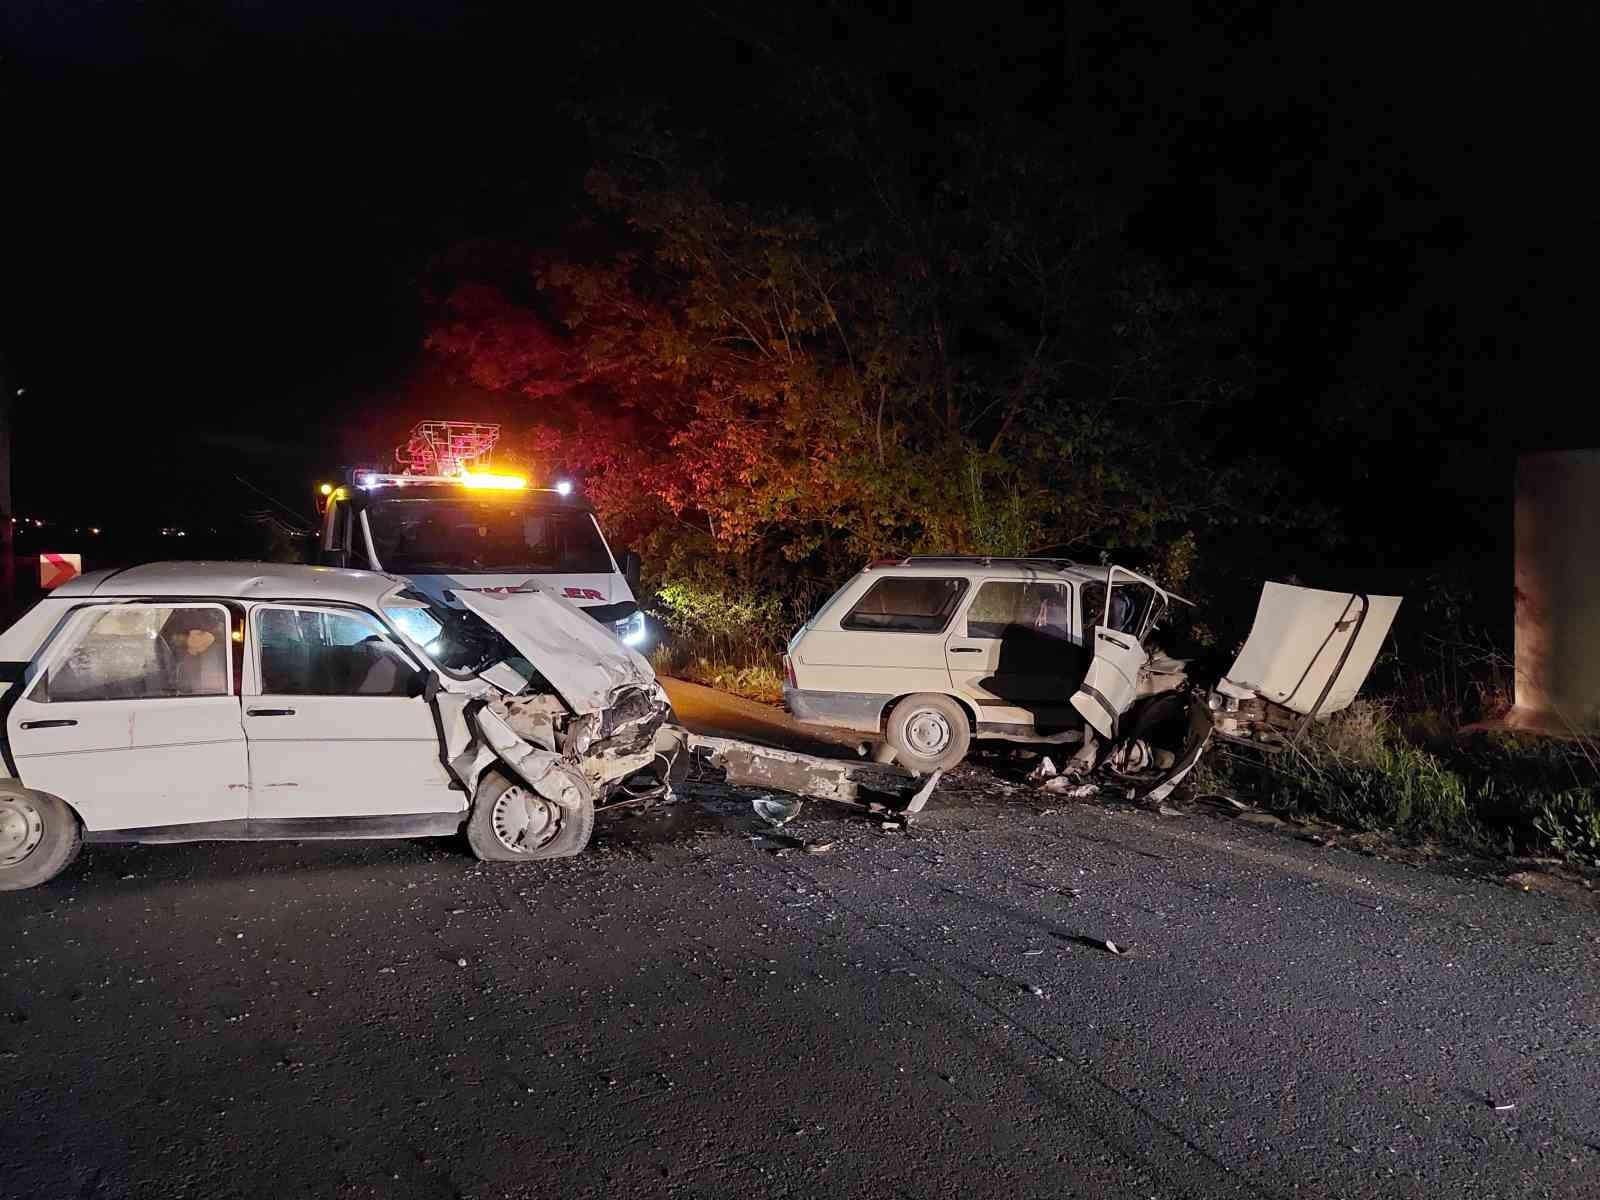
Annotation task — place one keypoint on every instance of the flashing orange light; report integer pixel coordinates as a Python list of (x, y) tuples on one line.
[(326, 489), (485, 480)]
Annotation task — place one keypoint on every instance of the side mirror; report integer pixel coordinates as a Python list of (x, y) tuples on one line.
[(631, 567), (417, 685)]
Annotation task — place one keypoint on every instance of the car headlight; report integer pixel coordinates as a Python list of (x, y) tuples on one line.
[(631, 629)]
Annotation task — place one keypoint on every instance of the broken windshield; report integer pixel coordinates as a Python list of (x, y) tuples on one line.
[(426, 535)]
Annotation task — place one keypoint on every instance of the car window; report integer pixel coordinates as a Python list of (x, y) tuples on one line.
[(1005, 609), (906, 604), (317, 652), (144, 652), (1130, 604)]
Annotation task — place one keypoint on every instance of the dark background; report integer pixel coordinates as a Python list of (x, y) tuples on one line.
[(217, 219)]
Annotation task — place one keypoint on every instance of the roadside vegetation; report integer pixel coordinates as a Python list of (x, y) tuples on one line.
[(1398, 762)]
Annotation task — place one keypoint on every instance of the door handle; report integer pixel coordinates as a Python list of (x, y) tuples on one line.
[(269, 712), (966, 649), (56, 724)]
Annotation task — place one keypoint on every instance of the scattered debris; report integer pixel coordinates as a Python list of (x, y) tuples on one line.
[(1035, 990), (1166, 810), (1032, 952), (1136, 754), (461, 962), (1113, 947), (1505, 1106), (1070, 787), (776, 810), (926, 790), (1045, 770), (818, 847)]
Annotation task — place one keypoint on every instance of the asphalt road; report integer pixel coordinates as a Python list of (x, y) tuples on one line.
[(692, 1009)]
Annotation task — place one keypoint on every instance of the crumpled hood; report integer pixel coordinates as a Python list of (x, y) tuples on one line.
[(584, 662)]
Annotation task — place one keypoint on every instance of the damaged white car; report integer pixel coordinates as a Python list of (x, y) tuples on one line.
[(195, 701), (931, 654)]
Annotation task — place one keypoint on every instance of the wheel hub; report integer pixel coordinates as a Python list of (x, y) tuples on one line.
[(21, 829), (523, 820), (928, 732)]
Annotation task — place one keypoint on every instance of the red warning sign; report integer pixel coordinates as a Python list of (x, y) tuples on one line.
[(56, 569)]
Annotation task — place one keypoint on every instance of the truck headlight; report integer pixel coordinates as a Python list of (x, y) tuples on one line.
[(631, 629)]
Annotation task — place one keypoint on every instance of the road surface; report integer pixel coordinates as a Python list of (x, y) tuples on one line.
[(693, 1009)]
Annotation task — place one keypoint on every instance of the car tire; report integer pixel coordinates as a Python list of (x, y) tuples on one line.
[(511, 822), (39, 838), (929, 732)]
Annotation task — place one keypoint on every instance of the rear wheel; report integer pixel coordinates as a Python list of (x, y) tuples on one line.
[(39, 838), (511, 822), (929, 732)]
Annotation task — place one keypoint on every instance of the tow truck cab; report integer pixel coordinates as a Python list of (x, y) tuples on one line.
[(481, 533)]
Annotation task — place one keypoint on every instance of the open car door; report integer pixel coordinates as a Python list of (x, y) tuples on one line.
[(1119, 615)]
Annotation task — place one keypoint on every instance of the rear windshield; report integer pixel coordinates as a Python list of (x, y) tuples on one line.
[(486, 535), (903, 604)]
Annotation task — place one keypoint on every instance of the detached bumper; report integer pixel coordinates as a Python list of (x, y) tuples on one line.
[(844, 710)]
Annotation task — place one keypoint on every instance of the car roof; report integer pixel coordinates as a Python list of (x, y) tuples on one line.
[(235, 581)]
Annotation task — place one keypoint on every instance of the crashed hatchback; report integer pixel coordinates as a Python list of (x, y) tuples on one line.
[(183, 702)]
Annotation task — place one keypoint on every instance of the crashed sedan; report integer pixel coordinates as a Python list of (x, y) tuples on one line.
[(181, 702)]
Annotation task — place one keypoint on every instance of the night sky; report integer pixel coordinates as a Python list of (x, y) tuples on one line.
[(217, 216)]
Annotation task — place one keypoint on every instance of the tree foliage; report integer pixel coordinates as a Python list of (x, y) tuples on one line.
[(895, 339)]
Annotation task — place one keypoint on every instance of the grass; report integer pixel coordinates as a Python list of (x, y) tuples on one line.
[(1368, 768), (756, 677)]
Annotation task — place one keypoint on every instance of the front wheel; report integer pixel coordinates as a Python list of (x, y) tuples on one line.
[(39, 838), (511, 822), (929, 732)]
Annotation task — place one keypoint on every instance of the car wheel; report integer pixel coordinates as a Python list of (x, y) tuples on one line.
[(39, 838), (511, 822), (929, 732)]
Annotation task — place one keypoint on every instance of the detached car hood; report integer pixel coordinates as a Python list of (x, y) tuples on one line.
[(1310, 650), (579, 658)]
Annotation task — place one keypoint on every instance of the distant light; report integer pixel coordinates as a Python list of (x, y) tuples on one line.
[(326, 489), (564, 486), (95, 529), (21, 391), (485, 481)]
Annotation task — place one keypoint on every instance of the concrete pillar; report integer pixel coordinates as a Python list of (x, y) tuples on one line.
[(1557, 581)]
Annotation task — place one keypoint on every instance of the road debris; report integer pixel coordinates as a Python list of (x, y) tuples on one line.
[(1112, 946), (819, 847), (1045, 770), (776, 811), (926, 790), (1071, 787)]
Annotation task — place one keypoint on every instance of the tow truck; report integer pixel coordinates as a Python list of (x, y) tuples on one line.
[(446, 520)]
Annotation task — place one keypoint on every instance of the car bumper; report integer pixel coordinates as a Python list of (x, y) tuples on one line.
[(862, 711)]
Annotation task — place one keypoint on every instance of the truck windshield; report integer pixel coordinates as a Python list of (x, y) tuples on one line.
[(422, 536)]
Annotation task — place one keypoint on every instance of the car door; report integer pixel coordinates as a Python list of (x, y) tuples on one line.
[(1123, 609), (133, 718), (332, 727), (1016, 653)]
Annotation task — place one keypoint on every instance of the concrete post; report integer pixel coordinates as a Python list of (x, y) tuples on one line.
[(1557, 597)]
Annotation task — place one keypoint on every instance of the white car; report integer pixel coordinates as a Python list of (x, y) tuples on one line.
[(930, 653), (194, 701)]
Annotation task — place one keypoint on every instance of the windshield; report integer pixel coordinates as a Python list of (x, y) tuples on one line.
[(423, 536), (459, 642)]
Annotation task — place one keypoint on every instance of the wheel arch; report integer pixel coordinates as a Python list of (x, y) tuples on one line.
[(14, 786)]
